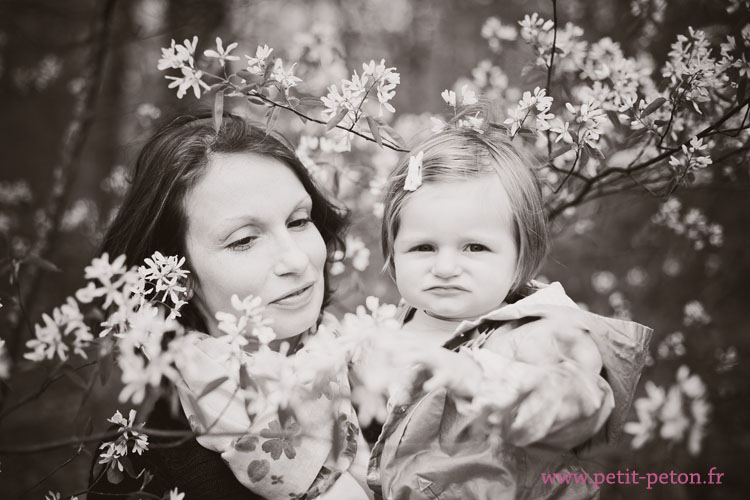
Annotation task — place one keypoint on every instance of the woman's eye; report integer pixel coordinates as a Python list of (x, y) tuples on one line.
[(300, 222), (242, 243), (422, 248), (476, 247)]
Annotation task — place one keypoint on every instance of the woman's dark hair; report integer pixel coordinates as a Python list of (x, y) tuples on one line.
[(152, 215)]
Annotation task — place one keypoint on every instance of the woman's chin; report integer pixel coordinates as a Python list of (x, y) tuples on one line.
[(290, 323)]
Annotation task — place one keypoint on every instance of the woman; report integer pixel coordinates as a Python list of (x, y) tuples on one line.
[(243, 210)]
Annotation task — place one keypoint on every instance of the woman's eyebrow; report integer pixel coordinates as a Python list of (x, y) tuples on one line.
[(226, 227), (305, 200)]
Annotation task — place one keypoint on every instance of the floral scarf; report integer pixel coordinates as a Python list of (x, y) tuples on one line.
[(300, 456)]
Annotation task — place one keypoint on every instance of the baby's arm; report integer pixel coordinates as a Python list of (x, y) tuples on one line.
[(544, 341)]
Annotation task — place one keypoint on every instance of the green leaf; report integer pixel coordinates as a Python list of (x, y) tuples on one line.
[(106, 363), (311, 102), (271, 116), (89, 427), (375, 129), (114, 475), (256, 100), (269, 68), (128, 466), (211, 386), (395, 136), (97, 468), (614, 117), (75, 377), (336, 119), (561, 151), (653, 106), (246, 382), (293, 102), (595, 152), (41, 263), (218, 110)]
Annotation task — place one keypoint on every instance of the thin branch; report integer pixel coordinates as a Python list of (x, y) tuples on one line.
[(52, 473), (569, 173), (45, 385), (656, 159), (389, 144), (549, 66)]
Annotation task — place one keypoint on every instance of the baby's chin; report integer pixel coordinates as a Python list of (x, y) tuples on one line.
[(454, 314)]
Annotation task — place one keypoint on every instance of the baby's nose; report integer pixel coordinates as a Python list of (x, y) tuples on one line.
[(446, 265)]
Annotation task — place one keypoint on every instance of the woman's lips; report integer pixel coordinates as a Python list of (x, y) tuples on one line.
[(296, 297)]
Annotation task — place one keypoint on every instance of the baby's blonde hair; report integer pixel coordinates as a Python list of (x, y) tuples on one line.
[(457, 154)]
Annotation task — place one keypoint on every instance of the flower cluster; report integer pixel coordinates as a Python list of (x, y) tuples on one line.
[(540, 35), (182, 56), (356, 252), (679, 414), (347, 106), (693, 224), (673, 346), (15, 192), (134, 300), (65, 325), (466, 119), (249, 322), (535, 104), (165, 274), (695, 314), (691, 158), (113, 452), (495, 32), (692, 68)]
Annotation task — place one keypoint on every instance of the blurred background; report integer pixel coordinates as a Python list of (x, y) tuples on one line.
[(80, 92)]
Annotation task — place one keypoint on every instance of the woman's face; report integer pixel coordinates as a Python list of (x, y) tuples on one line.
[(249, 232)]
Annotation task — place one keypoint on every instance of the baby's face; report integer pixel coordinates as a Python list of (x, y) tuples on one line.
[(455, 253)]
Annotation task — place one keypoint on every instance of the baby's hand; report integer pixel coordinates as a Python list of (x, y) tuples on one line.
[(550, 339)]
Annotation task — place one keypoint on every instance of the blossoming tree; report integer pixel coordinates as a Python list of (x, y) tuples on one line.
[(601, 121)]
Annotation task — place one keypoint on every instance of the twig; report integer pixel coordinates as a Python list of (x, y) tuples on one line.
[(569, 173), (52, 473), (45, 385), (549, 66), (388, 144)]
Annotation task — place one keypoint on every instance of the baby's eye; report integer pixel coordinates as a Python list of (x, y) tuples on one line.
[(242, 243), (476, 247), (422, 248), (300, 222)]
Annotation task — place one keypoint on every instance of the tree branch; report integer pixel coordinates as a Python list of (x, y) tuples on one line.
[(64, 173)]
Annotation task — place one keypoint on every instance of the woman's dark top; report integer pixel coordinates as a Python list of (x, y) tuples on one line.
[(199, 473)]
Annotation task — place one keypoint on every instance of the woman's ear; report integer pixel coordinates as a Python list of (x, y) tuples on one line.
[(190, 287)]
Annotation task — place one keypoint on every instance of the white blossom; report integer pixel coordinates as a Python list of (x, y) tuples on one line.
[(221, 53)]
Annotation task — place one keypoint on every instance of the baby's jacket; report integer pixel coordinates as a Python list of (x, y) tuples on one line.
[(425, 452)]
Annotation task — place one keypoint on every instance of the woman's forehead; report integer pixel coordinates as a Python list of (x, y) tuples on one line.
[(243, 186)]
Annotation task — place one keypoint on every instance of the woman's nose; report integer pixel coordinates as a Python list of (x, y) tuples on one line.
[(446, 265), (291, 258)]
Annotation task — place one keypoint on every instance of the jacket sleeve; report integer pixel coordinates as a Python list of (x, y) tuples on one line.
[(623, 346), (572, 403), (556, 405)]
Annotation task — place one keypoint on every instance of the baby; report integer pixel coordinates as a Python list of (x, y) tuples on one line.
[(463, 234)]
